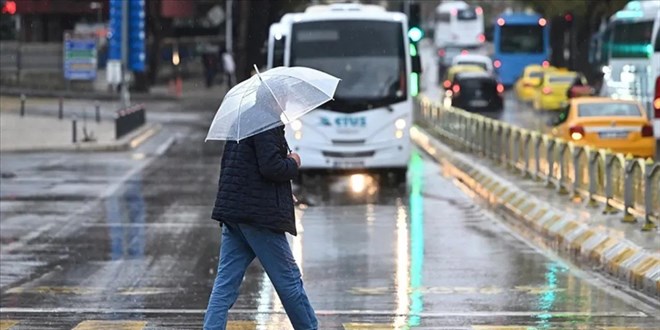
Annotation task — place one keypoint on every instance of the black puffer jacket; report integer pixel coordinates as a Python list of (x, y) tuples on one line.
[(255, 183)]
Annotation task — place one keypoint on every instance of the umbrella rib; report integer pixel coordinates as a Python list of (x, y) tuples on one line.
[(294, 77), (271, 93), (238, 117)]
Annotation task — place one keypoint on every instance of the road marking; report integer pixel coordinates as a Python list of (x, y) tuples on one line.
[(486, 290), (241, 325), (439, 314), (110, 325), (501, 327), (370, 326), (7, 324)]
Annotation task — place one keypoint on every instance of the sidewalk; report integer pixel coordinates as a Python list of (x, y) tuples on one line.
[(586, 235)]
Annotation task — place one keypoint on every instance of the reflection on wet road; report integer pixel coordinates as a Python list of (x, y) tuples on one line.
[(374, 255)]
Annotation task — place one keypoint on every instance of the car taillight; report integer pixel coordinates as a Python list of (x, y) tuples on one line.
[(500, 88), (545, 64), (481, 38), (577, 132), (441, 52), (464, 52), (547, 90), (647, 131), (446, 84), (456, 89), (497, 64), (656, 99)]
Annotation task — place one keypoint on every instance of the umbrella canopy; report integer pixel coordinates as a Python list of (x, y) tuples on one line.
[(270, 99)]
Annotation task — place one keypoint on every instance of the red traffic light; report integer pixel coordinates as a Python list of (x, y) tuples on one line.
[(568, 17), (9, 7)]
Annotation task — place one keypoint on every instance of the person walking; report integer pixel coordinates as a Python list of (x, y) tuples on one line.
[(254, 206)]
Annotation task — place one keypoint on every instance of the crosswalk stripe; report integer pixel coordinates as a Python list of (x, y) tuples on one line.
[(110, 325), (241, 325), (368, 326), (7, 324), (501, 327)]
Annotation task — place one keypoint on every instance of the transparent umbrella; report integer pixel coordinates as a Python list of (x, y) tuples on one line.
[(270, 99)]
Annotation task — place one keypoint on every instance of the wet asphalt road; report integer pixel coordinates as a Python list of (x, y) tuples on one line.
[(124, 241)]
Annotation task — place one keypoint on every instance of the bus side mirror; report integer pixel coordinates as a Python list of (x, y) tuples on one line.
[(416, 64)]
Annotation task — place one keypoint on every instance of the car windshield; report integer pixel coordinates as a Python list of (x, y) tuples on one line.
[(368, 56), (521, 39), (608, 110), (479, 64), (536, 74), (561, 79)]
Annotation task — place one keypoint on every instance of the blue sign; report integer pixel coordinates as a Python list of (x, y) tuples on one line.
[(79, 57), (114, 30), (136, 34), (136, 37)]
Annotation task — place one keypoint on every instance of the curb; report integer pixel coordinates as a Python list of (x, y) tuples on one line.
[(128, 142), (91, 95), (611, 255)]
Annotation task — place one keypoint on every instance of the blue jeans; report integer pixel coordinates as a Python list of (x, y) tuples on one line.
[(240, 245)]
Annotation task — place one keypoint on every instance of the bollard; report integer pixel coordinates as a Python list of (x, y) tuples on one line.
[(60, 113), (22, 105), (74, 129), (97, 109)]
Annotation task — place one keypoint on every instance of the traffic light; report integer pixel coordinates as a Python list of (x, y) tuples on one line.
[(415, 31), (8, 7), (568, 19)]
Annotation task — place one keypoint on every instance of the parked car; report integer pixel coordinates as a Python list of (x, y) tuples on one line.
[(476, 91), (619, 125)]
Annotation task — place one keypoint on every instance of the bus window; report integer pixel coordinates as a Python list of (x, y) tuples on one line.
[(657, 42), (467, 15), (631, 39), (443, 17), (278, 52), (368, 56), (521, 39)]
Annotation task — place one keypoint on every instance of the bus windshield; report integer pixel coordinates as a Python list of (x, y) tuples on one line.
[(466, 15), (521, 39), (631, 39), (368, 57)]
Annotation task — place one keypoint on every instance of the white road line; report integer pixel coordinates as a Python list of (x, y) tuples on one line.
[(19, 310)]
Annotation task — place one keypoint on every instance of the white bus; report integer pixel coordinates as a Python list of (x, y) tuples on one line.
[(367, 124), (632, 63), (458, 24)]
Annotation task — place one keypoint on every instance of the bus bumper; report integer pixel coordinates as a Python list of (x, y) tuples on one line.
[(394, 154)]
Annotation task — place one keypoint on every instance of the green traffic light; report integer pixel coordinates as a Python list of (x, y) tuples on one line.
[(415, 34)]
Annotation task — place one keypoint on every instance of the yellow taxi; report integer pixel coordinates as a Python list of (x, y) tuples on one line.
[(455, 69), (552, 93), (525, 85), (602, 122)]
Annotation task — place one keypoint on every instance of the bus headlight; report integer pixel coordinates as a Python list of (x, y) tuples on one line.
[(398, 134), (400, 124), (296, 125), (297, 135)]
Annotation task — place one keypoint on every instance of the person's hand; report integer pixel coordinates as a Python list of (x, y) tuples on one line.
[(295, 157)]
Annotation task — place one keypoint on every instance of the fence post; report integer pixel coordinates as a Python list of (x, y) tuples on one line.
[(609, 185), (593, 157), (562, 168), (648, 195), (74, 129), (628, 189), (97, 110), (550, 148), (22, 105), (577, 172), (60, 110), (537, 157)]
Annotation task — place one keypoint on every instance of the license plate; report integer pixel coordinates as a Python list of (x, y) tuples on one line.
[(613, 135), (346, 164), (478, 103)]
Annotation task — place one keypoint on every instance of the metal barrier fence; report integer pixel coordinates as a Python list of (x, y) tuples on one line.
[(129, 119), (596, 175)]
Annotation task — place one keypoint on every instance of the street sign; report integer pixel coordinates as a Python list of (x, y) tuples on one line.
[(79, 56), (136, 36)]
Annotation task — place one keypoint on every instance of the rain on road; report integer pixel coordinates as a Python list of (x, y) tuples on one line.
[(124, 241)]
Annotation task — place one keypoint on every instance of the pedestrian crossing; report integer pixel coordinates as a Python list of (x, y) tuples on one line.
[(253, 325)]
